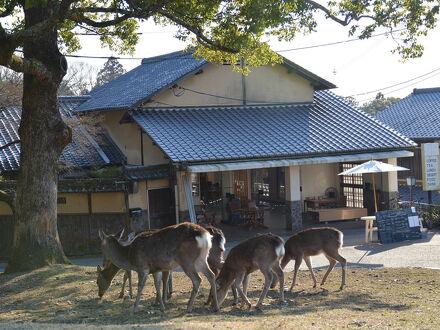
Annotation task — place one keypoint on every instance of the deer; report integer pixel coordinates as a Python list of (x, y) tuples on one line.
[(262, 252), (312, 242), (186, 245), (109, 271)]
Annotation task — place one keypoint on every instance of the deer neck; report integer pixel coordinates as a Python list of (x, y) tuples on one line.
[(117, 254)]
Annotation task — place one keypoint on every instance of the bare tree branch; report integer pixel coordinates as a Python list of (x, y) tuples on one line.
[(198, 33), (24, 65), (316, 5)]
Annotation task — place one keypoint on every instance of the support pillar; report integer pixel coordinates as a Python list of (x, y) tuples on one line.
[(182, 204), (293, 198), (390, 188)]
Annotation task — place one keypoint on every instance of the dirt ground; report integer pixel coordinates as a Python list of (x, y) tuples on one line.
[(66, 297)]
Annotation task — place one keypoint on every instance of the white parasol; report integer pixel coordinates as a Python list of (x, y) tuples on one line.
[(373, 166)]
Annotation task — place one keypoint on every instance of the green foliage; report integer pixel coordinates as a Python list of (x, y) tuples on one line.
[(234, 29), (378, 104), (433, 215), (107, 172)]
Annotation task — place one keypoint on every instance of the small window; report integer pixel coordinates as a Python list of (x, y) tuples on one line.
[(61, 200)]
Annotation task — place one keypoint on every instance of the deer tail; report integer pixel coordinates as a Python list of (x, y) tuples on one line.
[(279, 250), (204, 243), (341, 239)]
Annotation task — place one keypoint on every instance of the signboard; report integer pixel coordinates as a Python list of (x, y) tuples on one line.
[(398, 225), (430, 166)]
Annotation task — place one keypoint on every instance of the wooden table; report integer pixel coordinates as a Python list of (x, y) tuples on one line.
[(369, 227), (339, 213)]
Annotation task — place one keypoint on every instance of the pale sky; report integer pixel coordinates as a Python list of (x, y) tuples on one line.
[(355, 67)]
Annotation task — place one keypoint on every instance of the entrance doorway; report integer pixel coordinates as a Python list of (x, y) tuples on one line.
[(161, 208)]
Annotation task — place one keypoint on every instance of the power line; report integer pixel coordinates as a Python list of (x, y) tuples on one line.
[(278, 51), (391, 86), (338, 42), (223, 97)]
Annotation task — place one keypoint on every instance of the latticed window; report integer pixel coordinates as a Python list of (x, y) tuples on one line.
[(352, 186)]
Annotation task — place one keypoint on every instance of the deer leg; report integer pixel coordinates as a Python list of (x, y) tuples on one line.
[(267, 281), (274, 282), (243, 295), (298, 261), (245, 282), (170, 285), (280, 275), (157, 285), (165, 280), (127, 274), (309, 265), (156, 276), (142, 278), (195, 279), (343, 263), (211, 278), (130, 288), (329, 269)]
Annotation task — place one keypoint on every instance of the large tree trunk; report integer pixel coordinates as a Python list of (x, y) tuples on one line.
[(43, 136)]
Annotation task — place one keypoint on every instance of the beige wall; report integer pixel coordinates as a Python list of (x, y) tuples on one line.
[(75, 203), (315, 179), (152, 154), (5, 209), (108, 202), (276, 84), (128, 138), (139, 198), (263, 84)]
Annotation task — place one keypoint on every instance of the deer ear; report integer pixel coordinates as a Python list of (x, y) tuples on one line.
[(122, 234), (99, 269), (101, 234)]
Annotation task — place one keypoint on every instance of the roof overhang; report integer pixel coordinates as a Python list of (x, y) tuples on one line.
[(236, 166)]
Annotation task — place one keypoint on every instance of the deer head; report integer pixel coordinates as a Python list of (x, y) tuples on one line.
[(102, 281)]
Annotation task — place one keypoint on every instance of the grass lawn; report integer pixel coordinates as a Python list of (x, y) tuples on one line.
[(66, 297)]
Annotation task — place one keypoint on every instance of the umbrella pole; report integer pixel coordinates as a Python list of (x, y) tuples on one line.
[(374, 192)]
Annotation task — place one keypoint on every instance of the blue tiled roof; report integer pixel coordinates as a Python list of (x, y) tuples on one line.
[(416, 116), (156, 73), (84, 151), (329, 125), (141, 83)]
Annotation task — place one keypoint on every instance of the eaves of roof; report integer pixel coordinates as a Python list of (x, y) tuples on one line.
[(317, 82)]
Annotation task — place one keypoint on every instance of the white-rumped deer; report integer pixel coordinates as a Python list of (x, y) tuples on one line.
[(108, 271), (186, 245), (312, 242), (263, 252)]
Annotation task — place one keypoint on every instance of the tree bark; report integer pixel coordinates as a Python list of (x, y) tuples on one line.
[(43, 136)]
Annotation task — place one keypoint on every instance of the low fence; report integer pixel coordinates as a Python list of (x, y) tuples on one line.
[(78, 233)]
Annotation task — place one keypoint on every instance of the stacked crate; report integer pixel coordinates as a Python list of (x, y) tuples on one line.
[(393, 226)]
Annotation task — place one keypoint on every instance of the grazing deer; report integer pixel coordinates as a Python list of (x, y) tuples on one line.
[(262, 252), (109, 271), (311, 242), (186, 245)]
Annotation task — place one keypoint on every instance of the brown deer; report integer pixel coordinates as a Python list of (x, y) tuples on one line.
[(262, 252), (186, 245), (311, 242), (109, 271)]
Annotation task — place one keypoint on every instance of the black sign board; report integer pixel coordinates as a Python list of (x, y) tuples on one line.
[(398, 225)]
